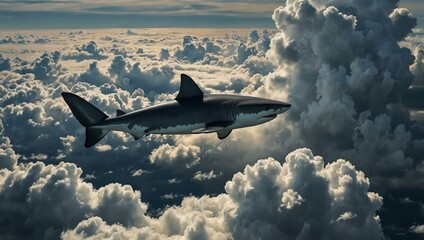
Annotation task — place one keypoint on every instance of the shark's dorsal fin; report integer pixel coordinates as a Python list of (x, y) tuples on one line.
[(119, 113), (188, 89)]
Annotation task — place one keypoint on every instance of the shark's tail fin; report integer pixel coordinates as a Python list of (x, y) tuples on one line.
[(88, 115)]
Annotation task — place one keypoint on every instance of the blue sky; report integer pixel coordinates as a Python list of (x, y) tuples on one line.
[(33, 14)]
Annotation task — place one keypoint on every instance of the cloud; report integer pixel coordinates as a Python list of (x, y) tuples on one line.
[(176, 156), (152, 79), (130, 32), (87, 51), (7, 40), (190, 52), (52, 198), (403, 21), (346, 103), (254, 36), (103, 148), (118, 66), (94, 76), (164, 54), (417, 229), (21, 88), (343, 72), (42, 40), (8, 157), (300, 199), (5, 64), (418, 67), (258, 64), (140, 172), (243, 52), (45, 68), (91, 47), (202, 176), (264, 42)]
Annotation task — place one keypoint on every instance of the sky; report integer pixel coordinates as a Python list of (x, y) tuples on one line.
[(345, 162), (33, 14)]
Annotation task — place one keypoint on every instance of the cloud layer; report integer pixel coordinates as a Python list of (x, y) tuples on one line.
[(263, 201), (344, 67)]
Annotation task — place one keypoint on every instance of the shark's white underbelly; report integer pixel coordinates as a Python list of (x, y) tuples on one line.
[(179, 129)]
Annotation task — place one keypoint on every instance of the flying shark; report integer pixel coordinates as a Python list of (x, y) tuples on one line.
[(192, 112)]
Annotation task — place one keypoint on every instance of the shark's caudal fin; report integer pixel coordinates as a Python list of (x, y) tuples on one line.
[(93, 136), (88, 115)]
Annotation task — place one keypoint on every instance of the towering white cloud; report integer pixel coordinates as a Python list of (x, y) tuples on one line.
[(344, 68), (418, 67), (303, 199)]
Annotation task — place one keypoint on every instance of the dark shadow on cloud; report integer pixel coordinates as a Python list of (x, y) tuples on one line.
[(414, 98)]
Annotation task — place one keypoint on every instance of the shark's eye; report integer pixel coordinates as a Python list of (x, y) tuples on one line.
[(267, 107)]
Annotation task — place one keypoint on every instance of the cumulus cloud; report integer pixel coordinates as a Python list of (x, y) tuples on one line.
[(152, 79), (85, 52), (418, 67), (243, 52), (341, 72), (118, 66), (418, 229), (300, 199), (176, 156), (45, 68), (7, 40), (164, 54), (264, 42), (190, 52), (94, 76), (52, 198), (130, 32), (8, 157), (5, 63), (42, 40), (254, 36), (21, 88)]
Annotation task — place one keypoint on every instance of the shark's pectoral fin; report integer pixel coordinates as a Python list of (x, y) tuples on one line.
[(137, 135), (223, 133)]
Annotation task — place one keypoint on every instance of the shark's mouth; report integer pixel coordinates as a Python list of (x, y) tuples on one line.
[(270, 116)]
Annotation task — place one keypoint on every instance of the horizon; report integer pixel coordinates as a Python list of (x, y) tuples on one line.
[(83, 14)]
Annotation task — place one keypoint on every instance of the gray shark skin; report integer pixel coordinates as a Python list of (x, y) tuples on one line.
[(192, 112)]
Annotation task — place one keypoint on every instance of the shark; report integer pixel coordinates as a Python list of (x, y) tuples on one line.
[(192, 112)]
